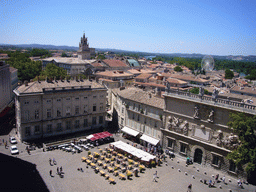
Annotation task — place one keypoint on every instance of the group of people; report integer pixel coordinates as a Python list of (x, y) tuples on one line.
[(59, 169)]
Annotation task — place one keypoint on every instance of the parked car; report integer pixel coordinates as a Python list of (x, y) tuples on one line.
[(14, 150), (13, 140)]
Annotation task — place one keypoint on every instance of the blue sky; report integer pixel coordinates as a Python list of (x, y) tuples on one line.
[(216, 27)]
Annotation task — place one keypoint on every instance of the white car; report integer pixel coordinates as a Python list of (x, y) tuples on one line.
[(13, 140), (14, 150)]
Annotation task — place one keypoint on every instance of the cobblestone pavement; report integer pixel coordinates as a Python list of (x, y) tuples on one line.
[(169, 179)]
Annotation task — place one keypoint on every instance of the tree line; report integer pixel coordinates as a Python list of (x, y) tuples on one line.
[(28, 69)]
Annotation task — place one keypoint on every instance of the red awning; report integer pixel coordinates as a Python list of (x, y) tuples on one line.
[(101, 135)]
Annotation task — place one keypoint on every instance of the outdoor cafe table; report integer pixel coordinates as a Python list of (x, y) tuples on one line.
[(83, 158), (95, 153), (102, 172), (104, 166), (122, 176), (129, 173), (115, 173), (102, 157), (111, 180), (136, 164), (110, 169), (129, 167), (107, 160), (119, 155), (130, 160), (118, 166), (104, 152), (142, 166), (99, 162), (93, 165), (88, 162), (90, 156), (97, 169)]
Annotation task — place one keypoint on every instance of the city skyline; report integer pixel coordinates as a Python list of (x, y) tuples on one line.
[(214, 28)]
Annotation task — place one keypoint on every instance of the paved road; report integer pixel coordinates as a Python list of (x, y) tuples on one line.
[(169, 179)]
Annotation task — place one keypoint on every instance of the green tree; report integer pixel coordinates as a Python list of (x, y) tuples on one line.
[(229, 74), (245, 154), (64, 54), (178, 69), (194, 90), (27, 69), (252, 75), (101, 56), (53, 71)]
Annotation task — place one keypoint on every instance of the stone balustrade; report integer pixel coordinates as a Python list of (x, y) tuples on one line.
[(215, 101)]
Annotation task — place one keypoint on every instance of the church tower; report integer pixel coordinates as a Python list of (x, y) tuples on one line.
[(84, 51)]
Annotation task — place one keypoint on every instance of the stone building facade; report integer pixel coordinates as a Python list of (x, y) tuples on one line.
[(139, 111), (196, 126), (5, 86), (45, 109)]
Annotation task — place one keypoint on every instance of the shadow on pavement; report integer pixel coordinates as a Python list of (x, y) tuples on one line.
[(20, 175)]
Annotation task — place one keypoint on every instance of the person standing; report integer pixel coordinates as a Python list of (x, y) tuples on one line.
[(57, 170)]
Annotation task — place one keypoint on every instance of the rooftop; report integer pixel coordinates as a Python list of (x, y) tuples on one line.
[(40, 87), (68, 60), (143, 76), (114, 63), (115, 73), (133, 63), (176, 81), (140, 96), (246, 90)]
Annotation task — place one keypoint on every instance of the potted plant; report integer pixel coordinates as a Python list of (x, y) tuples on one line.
[(153, 164)]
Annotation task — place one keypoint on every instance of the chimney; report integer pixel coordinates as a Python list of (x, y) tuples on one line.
[(149, 95), (26, 83)]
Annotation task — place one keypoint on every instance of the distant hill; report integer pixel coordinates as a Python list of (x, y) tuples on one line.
[(187, 55)]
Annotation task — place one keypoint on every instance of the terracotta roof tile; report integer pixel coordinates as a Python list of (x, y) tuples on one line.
[(114, 63), (141, 96)]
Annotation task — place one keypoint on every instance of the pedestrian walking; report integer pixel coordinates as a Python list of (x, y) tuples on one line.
[(60, 168), (154, 177), (51, 173), (57, 170), (189, 187), (223, 179), (50, 161)]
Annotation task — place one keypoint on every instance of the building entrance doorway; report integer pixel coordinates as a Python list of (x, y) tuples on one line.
[(198, 156)]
